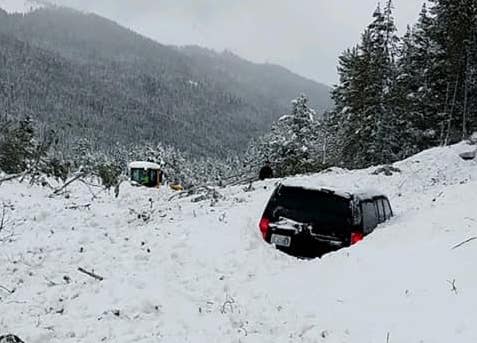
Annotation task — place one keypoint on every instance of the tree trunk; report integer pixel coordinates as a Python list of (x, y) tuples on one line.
[(466, 97), (446, 110), (451, 114)]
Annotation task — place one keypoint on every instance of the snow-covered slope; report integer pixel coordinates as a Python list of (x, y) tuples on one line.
[(200, 273), (20, 6)]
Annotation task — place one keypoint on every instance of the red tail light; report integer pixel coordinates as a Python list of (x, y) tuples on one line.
[(356, 237), (264, 227)]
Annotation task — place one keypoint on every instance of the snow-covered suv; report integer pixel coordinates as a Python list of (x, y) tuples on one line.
[(309, 222)]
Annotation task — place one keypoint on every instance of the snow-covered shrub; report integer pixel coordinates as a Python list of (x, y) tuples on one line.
[(295, 145), (10, 339), (109, 173), (17, 145)]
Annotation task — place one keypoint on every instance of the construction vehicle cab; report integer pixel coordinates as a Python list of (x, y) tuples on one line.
[(146, 174)]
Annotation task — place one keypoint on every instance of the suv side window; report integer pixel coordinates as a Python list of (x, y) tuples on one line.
[(370, 216), (387, 209), (385, 213), (380, 205)]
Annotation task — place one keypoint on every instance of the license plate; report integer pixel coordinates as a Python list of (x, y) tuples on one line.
[(280, 240)]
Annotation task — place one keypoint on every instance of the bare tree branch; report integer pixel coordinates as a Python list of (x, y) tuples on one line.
[(2, 218), (76, 207), (67, 183), (464, 242), (6, 289), (11, 177), (452, 283)]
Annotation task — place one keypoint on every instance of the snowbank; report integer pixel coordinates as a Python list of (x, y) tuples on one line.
[(190, 272)]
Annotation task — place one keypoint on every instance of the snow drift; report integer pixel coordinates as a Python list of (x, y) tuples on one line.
[(178, 271)]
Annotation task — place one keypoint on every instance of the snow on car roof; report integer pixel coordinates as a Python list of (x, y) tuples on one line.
[(343, 193), (143, 165)]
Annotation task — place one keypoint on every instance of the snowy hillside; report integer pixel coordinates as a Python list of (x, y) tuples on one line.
[(199, 273), (20, 6)]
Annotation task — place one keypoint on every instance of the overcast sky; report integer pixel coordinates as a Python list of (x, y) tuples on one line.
[(305, 36)]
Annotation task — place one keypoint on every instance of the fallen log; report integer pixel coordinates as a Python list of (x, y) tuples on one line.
[(67, 183), (464, 242), (91, 274), (10, 177)]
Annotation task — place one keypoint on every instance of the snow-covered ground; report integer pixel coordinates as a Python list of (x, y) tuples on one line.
[(193, 272)]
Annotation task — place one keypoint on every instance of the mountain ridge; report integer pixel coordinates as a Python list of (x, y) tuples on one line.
[(216, 103)]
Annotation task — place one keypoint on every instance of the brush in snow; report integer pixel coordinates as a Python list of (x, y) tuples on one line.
[(10, 339), (469, 155)]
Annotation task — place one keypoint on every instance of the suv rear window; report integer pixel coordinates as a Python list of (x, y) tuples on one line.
[(310, 206)]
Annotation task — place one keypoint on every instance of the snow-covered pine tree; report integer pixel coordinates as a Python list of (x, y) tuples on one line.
[(23, 149), (469, 113), (295, 143), (347, 97), (427, 64), (419, 119), (406, 93), (384, 145), (294, 139), (469, 122), (17, 146), (365, 118), (454, 30), (83, 156)]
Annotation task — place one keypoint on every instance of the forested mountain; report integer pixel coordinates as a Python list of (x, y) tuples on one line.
[(266, 81), (89, 77)]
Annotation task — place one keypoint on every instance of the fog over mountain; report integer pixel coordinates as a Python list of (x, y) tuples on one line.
[(305, 36)]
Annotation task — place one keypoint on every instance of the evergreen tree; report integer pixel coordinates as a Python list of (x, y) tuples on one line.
[(454, 30), (415, 89), (395, 100), (295, 144), (364, 120), (17, 147)]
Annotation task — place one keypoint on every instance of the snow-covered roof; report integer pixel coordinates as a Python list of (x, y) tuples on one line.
[(316, 187), (343, 193), (143, 165)]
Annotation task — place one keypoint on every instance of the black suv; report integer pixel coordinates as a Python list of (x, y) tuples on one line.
[(311, 222)]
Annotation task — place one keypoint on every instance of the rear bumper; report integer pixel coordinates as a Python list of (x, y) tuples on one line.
[(306, 245)]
